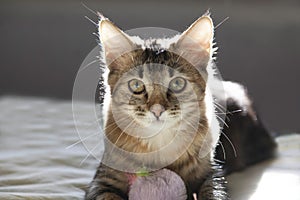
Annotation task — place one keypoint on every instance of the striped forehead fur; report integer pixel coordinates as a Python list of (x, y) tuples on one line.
[(151, 57)]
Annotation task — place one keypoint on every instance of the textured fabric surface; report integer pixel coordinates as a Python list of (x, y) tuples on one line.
[(41, 158), (35, 161), (274, 179)]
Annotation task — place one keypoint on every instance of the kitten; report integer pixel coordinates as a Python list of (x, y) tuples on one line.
[(159, 89), (159, 105)]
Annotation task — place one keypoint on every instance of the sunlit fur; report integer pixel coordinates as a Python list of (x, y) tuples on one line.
[(129, 124), (135, 109), (140, 131)]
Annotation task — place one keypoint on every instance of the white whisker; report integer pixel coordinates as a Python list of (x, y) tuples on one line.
[(233, 148), (222, 120), (220, 161), (223, 149), (81, 140), (89, 9), (90, 152), (224, 20), (120, 136), (219, 106), (96, 24)]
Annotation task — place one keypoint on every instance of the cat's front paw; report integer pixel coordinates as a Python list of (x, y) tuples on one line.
[(109, 196)]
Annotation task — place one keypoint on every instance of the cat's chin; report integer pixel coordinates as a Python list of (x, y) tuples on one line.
[(153, 123), (161, 125), (159, 121)]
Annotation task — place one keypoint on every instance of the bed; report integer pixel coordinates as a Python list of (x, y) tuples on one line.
[(42, 156)]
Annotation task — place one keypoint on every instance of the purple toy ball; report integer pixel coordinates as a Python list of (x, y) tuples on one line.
[(162, 184)]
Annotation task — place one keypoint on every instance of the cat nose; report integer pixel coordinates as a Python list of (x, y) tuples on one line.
[(157, 110)]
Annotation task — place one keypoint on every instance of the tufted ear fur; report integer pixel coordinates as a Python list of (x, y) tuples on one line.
[(114, 41), (196, 42)]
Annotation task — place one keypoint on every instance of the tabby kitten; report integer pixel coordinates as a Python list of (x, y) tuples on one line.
[(160, 111)]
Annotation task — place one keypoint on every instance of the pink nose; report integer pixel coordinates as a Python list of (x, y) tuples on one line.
[(157, 110)]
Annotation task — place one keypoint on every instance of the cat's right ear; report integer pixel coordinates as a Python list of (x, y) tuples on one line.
[(114, 41), (196, 43)]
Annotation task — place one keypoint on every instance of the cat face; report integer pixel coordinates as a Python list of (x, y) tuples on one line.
[(156, 88), (155, 97)]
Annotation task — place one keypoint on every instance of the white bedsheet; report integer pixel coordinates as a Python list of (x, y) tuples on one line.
[(37, 161)]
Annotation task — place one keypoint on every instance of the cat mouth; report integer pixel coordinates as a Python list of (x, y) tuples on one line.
[(159, 121), (154, 122)]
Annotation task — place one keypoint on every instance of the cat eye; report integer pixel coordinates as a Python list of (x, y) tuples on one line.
[(136, 86), (177, 84)]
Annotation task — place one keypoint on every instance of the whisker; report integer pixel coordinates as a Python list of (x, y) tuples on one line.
[(107, 134), (226, 113), (222, 120), (191, 124), (219, 106), (115, 123), (194, 115), (179, 57), (120, 136), (89, 9), (90, 152), (81, 140), (235, 111), (199, 124), (91, 21), (220, 161), (224, 20), (103, 129), (229, 112), (223, 149), (233, 148)]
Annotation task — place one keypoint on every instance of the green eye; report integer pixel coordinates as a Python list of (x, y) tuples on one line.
[(177, 84), (136, 86)]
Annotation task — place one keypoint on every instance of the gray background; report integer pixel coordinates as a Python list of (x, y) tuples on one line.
[(43, 43)]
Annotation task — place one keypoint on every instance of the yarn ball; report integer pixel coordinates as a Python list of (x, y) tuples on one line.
[(162, 184)]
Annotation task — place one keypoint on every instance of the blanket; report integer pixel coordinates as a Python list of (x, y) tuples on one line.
[(43, 157)]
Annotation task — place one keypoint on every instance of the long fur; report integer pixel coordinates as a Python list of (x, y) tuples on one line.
[(191, 124)]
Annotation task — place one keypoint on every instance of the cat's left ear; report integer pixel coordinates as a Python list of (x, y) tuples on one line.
[(197, 41), (114, 41)]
